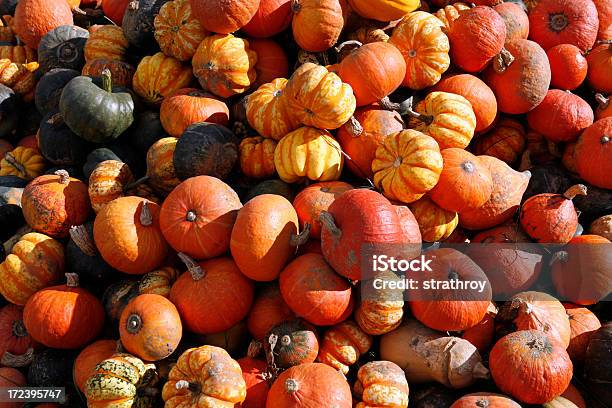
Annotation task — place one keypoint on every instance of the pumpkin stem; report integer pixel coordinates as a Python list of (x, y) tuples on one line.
[(255, 348), (107, 80), (17, 360), (193, 387), (272, 340), (339, 48), (10, 158), (191, 216), (328, 220), (525, 161), (561, 256), (72, 279), (406, 110), (64, 177), (56, 120), (194, 269), (19, 329), (480, 371), (133, 324), (354, 127), (502, 61), (146, 218), (136, 183), (67, 52), (301, 238), (604, 139), (291, 386), (602, 101), (388, 105), (296, 6), (79, 235), (573, 191), (285, 340)]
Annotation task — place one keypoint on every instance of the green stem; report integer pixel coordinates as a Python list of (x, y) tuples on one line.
[(107, 80)]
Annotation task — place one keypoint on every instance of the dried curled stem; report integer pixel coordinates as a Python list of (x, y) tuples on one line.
[(72, 279), (575, 190), (194, 269), (82, 239), (328, 221), (297, 240), (146, 218), (64, 177), (13, 360), (502, 61)]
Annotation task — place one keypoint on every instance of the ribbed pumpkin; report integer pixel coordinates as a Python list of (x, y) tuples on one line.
[(383, 10), (107, 182), (506, 141), (379, 311), (269, 309), (316, 24), (600, 61), (19, 77), (583, 323), (508, 188), (18, 53), (480, 96), (53, 203), (381, 382), (465, 183), (521, 85), (65, 316), (319, 98), (121, 72), (424, 47), (355, 218), (267, 110), (407, 165), (568, 66), (23, 162), (159, 281), (198, 215), (450, 13), (435, 223), (515, 19), (342, 345), (315, 292), (89, 358), (257, 157), (530, 351), (127, 234), (158, 76), (16, 340), (107, 42), (485, 399), (446, 117), (264, 236), (121, 379), (160, 165), (373, 71), (224, 65), (184, 107), (271, 63), (177, 31), (553, 22), (35, 18), (366, 35), (222, 17), (476, 37), (223, 306), (593, 152), (308, 153), (272, 17)]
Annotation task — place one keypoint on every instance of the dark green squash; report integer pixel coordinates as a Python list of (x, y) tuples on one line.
[(29, 119), (12, 181), (278, 187), (432, 396), (58, 144), (127, 154), (547, 178), (597, 367), (138, 23), (9, 110), (49, 89), (205, 149), (11, 219), (7, 7), (95, 157), (596, 203), (146, 131), (63, 47), (117, 296), (98, 114), (51, 368)]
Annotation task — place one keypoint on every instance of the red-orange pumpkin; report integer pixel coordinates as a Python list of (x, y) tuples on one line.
[(12, 378), (271, 17), (516, 20), (187, 106), (257, 387), (269, 309), (271, 62), (506, 141), (224, 17), (35, 18), (583, 323), (317, 24), (593, 154), (115, 9), (410, 226), (481, 335), (89, 358), (600, 64), (568, 66), (14, 337), (485, 399), (604, 12)]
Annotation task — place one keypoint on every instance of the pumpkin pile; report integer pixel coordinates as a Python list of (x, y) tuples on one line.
[(189, 190)]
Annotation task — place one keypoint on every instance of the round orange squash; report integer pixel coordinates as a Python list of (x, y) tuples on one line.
[(107, 182), (89, 358), (342, 346), (177, 31), (593, 153), (187, 106), (224, 17), (435, 223), (108, 42), (568, 66), (583, 324), (383, 10), (254, 374), (600, 61), (257, 157), (121, 72), (272, 17), (485, 399), (271, 62), (515, 19), (160, 165), (269, 309), (35, 18), (381, 382), (506, 141), (267, 111), (158, 76), (316, 24), (15, 340)]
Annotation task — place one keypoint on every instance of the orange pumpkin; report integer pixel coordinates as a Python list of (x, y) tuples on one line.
[(223, 17), (449, 13), (379, 312), (583, 323), (254, 374), (177, 31), (12, 378), (435, 223), (160, 166), (127, 235), (267, 110), (269, 309), (272, 17), (383, 10), (15, 340), (482, 335), (187, 106), (108, 182), (515, 19), (381, 382), (342, 345), (158, 76), (224, 65), (272, 62), (485, 399), (593, 152), (506, 141), (18, 53), (35, 18), (107, 42), (568, 66), (600, 61), (5, 147), (23, 162), (89, 358), (19, 77), (121, 72), (257, 157), (604, 13), (316, 24)]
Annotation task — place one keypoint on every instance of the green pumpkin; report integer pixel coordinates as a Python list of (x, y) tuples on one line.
[(98, 114)]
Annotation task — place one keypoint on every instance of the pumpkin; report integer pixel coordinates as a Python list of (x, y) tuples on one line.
[(532, 351), (89, 358), (269, 309), (18, 53), (160, 165), (205, 149), (464, 184), (121, 379), (150, 327), (51, 368), (225, 305), (267, 110), (485, 399), (29, 141), (570, 398), (272, 62), (381, 382), (316, 25), (49, 90), (515, 19), (158, 76), (19, 77), (506, 141), (116, 297), (177, 31), (604, 13), (449, 13), (65, 316), (481, 335), (121, 72), (224, 18), (454, 310), (448, 118), (115, 9), (583, 323), (96, 113), (508, 188), (576, 282), (379, 311), (198, 215), (224, 65), (319, 98), (476, 37), (35, 18), (253, 372), (290, 343), (342, 345), (553, 22), (158, 282), (597, 353), (16, 340), (273, 186), (521, 85), (53, 203), (107, 182), (551, 218), (366, 35), (257, 157), (383, 10), (62, 47), (568, 66), (600, 60), (138, 23), (424, 47), (108, 42), (271, 17), (13, 379), (309, 153), (187, 106), (127, 234), (58, 144), (373, 71), (407, 165), (435, 223), (536, 311), (602, 226), (22, 162), (604, 108), (593, 152)]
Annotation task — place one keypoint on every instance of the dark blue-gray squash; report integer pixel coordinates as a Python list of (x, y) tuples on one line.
[(58, 144), (49, 89), (63, 47)]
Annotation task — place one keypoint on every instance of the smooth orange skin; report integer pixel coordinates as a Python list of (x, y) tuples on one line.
[(10, 340), (481, 335), (89, 358), (256, 386), (268, 310), (568, 66), (317, 24), (224, 17), (271, 63), (35, 18), (593, 154), (600, 64), (187, 106), (484, 399), (583, 323), (115, 9), (272, 17), (549, 218)]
